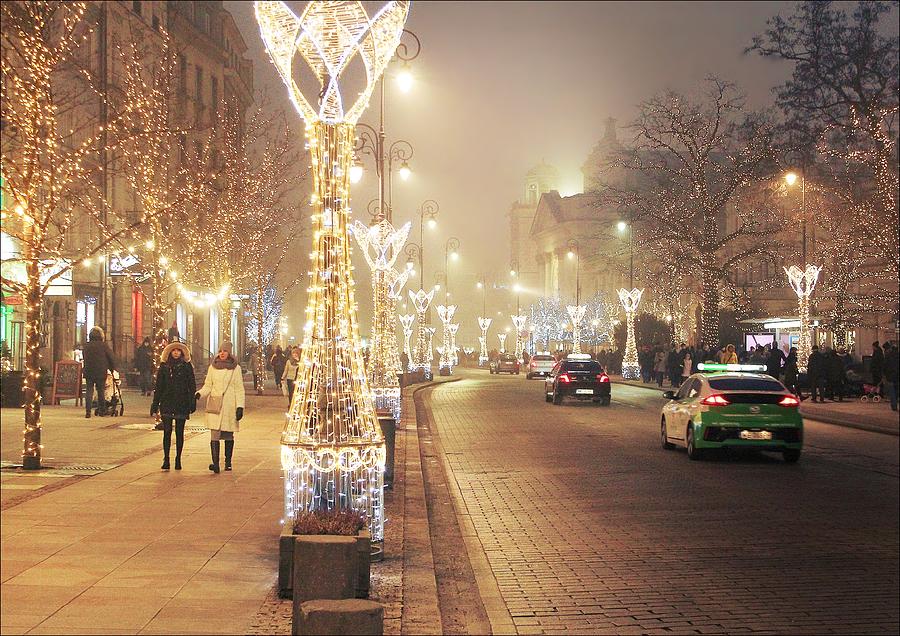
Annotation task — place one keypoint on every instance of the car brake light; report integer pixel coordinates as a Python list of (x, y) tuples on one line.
[(717, 399), (565, 379), (602, 378), (789, 400)]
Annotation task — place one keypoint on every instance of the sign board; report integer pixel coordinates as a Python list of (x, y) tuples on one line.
[(66, 381)]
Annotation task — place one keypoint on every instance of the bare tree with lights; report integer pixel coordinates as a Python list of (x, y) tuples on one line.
[(697, 159), (841, 107), (54, 153)]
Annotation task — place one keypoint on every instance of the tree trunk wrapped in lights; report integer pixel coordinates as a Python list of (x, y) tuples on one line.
[(630, 301), (485, 324), (576, 313), (446, 350), (406, 322), (803, 281), (422, 358), (381, 245), (519, 324), (502, 338), (332, 450)]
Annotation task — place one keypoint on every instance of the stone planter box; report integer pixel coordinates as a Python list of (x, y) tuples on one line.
[(287, 557), (352, 616)]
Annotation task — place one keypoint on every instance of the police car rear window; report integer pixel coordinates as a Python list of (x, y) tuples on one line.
[(745, 384)]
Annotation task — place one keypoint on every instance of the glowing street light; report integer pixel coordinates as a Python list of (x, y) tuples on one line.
[(356, 173)]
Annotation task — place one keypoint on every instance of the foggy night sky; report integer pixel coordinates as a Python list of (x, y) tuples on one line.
[(502, 85)]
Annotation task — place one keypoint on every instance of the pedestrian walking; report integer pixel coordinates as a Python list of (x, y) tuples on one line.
[(729, 356), (278, 361), (815, 374), (686, 366), (224, 390), (174, 397), (891, 360), (659, 367), (835, 370), (143, 362), (291, 370), (98, 360), (173, 334), (876, 365), (774, 361), (791, 372)]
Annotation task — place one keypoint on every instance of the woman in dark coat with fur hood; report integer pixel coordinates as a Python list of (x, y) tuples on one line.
[(173, 397)]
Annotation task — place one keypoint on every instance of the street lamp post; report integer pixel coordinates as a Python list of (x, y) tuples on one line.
[(451, 250), (622, 226), (575, 253), (802, 279)]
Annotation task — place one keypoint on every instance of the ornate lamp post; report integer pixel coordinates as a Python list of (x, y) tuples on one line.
[(502, 337), (381, 245), (519, 324), (803, 281), (630, 301), (332, 450), (451, 251), (485, 324)]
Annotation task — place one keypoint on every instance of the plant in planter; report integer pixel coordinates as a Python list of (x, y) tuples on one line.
[(325, 554)]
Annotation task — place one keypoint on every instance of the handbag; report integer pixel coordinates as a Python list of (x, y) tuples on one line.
[(214, 402)]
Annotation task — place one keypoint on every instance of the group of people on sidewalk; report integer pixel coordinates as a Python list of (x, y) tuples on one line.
[(175, 398), (285, 367)]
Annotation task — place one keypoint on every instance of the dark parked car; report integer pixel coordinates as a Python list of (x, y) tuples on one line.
[(506, 363), (579, 377)]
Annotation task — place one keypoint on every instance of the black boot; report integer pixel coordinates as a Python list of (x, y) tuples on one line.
[(167, 440), (214, 452), (229, 450), (179, 444)]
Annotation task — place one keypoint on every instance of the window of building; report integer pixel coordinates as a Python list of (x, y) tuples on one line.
[(214, 87), (198, 75), (182, 74), (156, 23), (136, 6)]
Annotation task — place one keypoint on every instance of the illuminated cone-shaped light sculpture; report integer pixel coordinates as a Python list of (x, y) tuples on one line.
[(519, 324), (454, 350), (502, 337), (485, 324), (381, 244), (332, 450), (446, 350), (576, 313), (422, 358), (429, 351), (630, 301), (803, 281), (406, 322)]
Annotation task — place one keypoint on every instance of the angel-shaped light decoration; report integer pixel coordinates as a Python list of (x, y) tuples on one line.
[(803, 282), (406, 322), (502, 338), (484, 324), (519, 324), (421, 301), (332, 452), (445, 313), (454, 350), (576, 313), (630, 301)]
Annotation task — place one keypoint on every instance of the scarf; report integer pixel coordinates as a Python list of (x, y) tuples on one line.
[(228, 363)]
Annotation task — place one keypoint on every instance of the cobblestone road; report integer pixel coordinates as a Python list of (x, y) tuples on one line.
[(589, 526)]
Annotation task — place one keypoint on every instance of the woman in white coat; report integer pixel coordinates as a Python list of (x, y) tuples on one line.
[(224, 387)]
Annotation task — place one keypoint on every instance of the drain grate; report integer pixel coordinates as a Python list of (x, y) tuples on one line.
[(69, 470), (152, 427)]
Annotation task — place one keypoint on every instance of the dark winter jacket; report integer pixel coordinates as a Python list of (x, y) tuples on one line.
[(835, 366), (278, 361), (891, 361), (876, 365), (175, 389), (773, 364), (816, 365), (97, 360), (790, 370), (143, 358)]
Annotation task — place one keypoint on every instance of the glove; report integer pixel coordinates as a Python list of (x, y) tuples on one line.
[(197, 396), (239, 413)]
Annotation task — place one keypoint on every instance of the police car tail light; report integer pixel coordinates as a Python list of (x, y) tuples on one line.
[(789, 400), (602, 378), (565, 379), (716, 399)]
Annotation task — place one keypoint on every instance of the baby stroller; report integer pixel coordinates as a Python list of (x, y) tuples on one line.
[(870, 392), (114, 405)]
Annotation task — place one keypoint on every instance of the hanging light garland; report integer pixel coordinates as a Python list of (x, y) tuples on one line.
[(333, 453), (630, 300), (484, 324), (803, 282)]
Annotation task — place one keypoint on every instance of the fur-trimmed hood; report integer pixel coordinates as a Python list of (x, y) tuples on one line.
[(185, 352)]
